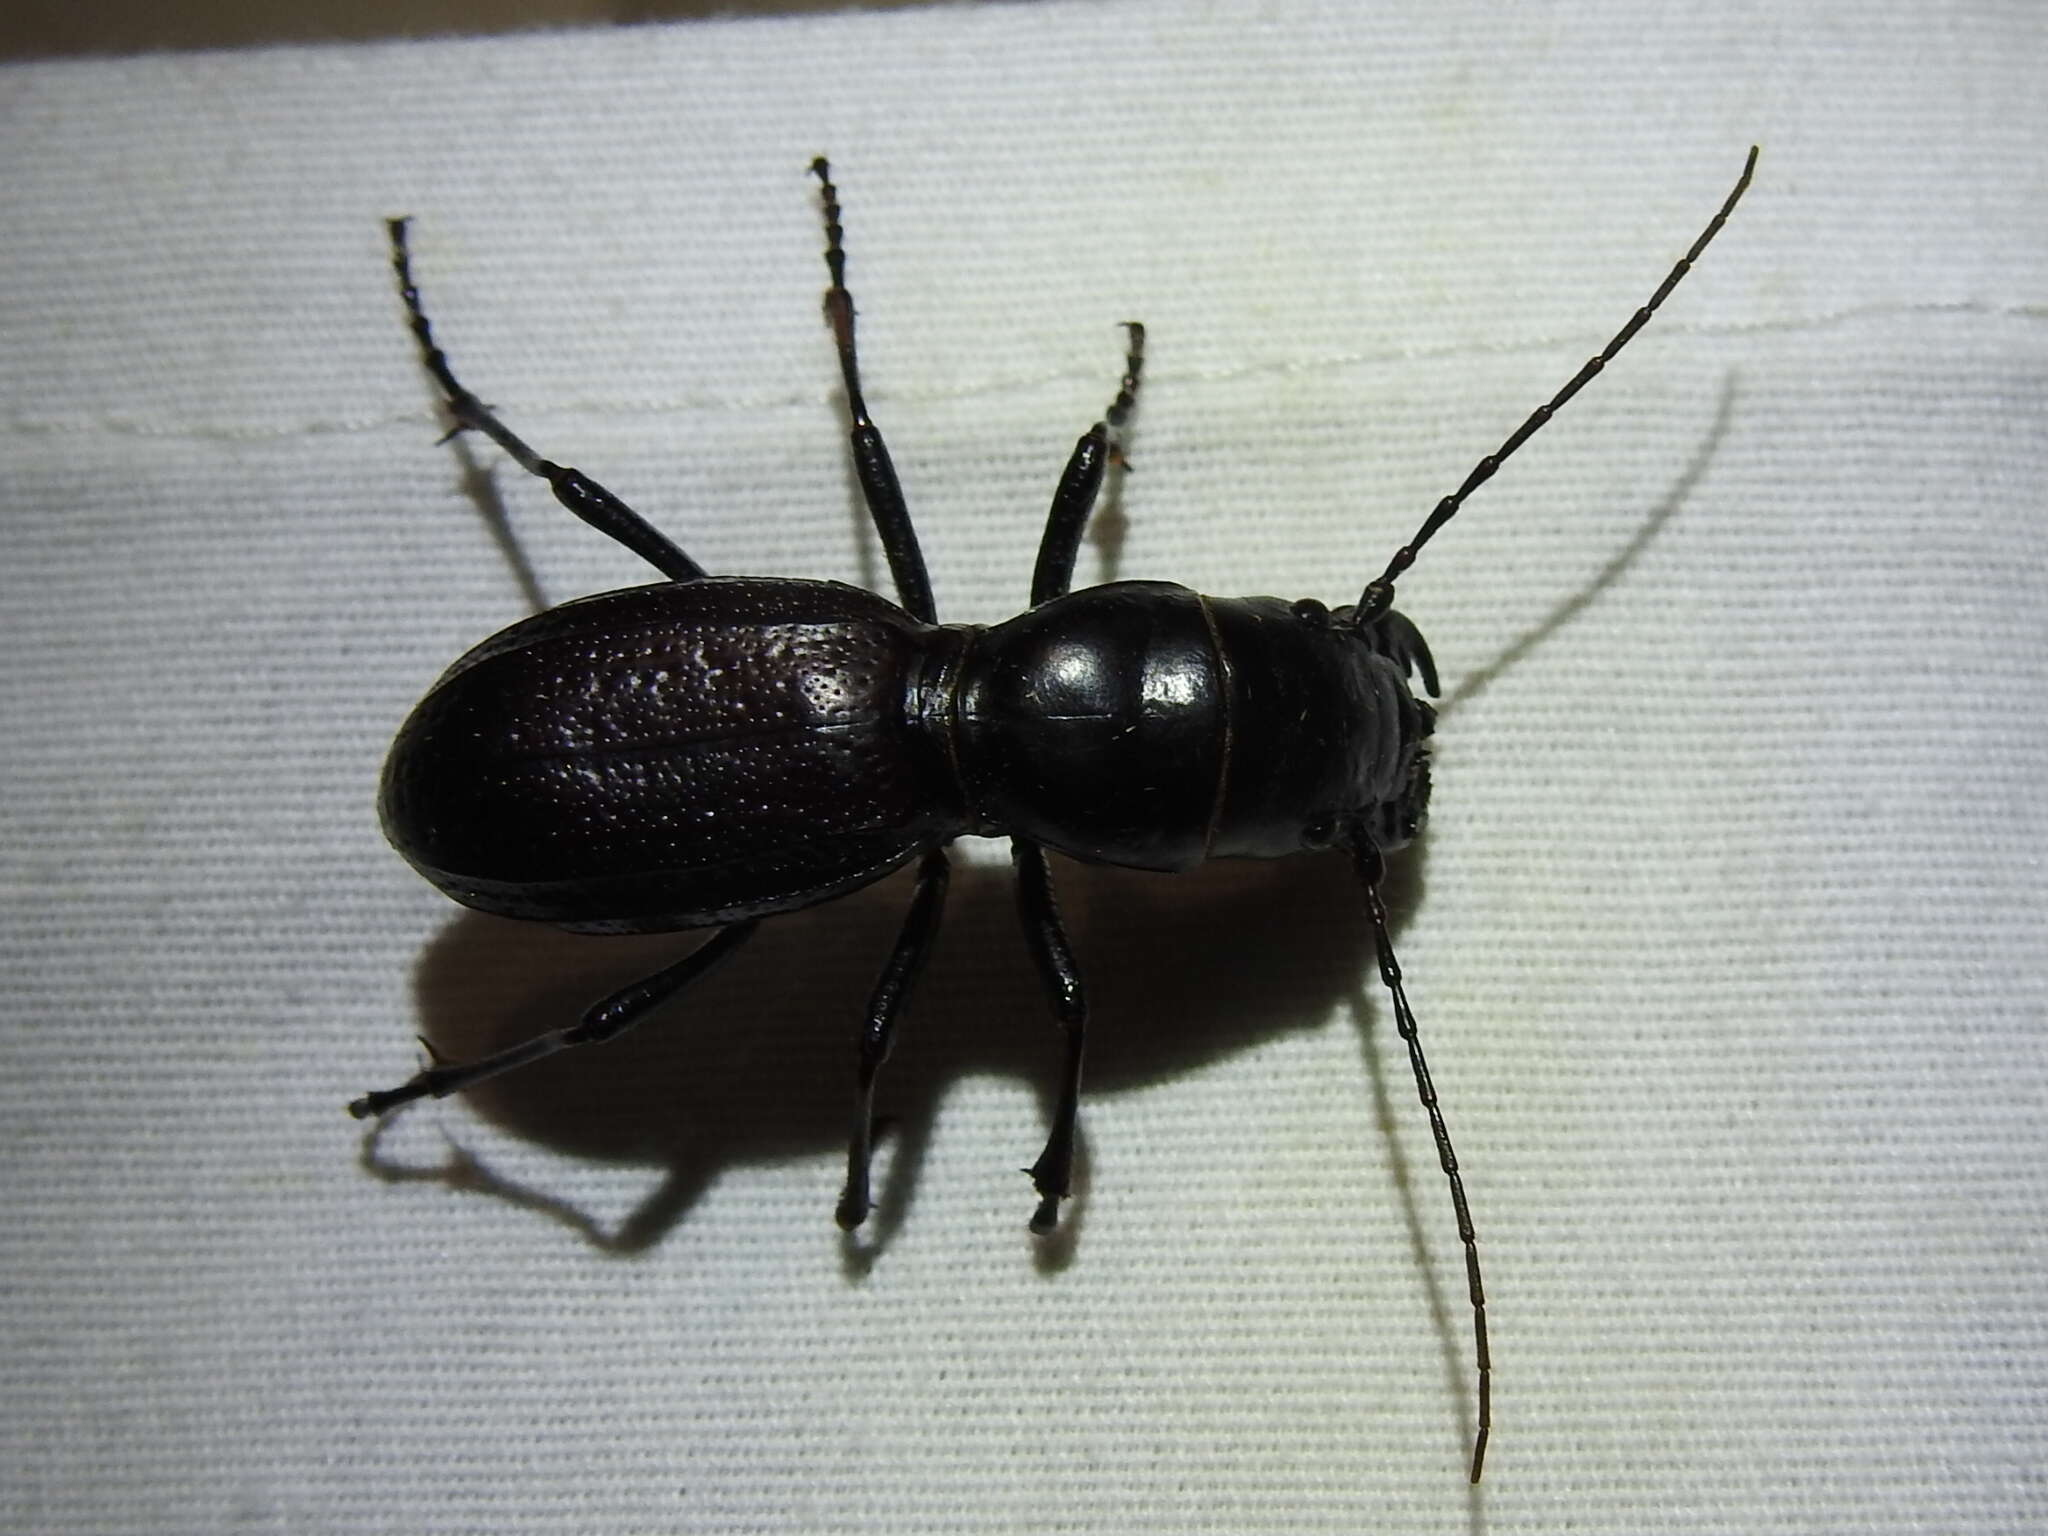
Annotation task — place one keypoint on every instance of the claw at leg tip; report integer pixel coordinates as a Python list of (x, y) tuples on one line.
[(1046, 1218), (852, 1211)]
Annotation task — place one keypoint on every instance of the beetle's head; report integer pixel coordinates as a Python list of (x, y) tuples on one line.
[(1326, 741)]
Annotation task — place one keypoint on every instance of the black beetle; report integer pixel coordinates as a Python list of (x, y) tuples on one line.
[(708, 751)]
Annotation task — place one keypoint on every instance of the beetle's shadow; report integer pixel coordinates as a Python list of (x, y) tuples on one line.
[(755, 1063), (1580, 598)]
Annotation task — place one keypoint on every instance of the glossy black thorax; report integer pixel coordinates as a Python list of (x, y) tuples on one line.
[(1146, 725)]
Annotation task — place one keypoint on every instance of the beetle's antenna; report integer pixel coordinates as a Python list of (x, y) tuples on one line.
[(1379, 595), (1366, 858)]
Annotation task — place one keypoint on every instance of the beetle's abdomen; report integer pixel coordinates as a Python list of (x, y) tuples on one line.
[(672, 756)]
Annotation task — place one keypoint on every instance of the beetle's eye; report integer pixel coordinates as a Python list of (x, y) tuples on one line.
[(1309, 611), (1319, 833)]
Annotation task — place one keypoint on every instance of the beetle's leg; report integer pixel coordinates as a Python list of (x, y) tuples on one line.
[(899, 975), (573, 489), (1371, 866), (871, 465), (601, 1022), (1080, 482), (1053, 1172)]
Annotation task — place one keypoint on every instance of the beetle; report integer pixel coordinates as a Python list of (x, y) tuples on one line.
[(710, 751)]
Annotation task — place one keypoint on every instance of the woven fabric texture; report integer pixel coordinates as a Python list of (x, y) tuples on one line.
[(1725, 937)]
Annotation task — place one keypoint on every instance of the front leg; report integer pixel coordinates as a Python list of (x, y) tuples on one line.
[(1081, 481)]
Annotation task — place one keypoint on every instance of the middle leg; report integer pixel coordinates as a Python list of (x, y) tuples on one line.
[(871, 462), (1052, 1174)]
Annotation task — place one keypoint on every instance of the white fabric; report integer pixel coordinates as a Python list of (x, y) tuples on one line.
[(1726, 937)]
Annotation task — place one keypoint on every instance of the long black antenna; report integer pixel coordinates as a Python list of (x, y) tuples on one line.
[(1371, 867), (1379, 595)]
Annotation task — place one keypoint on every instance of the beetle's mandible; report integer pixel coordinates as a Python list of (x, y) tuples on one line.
[(708, 751)]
